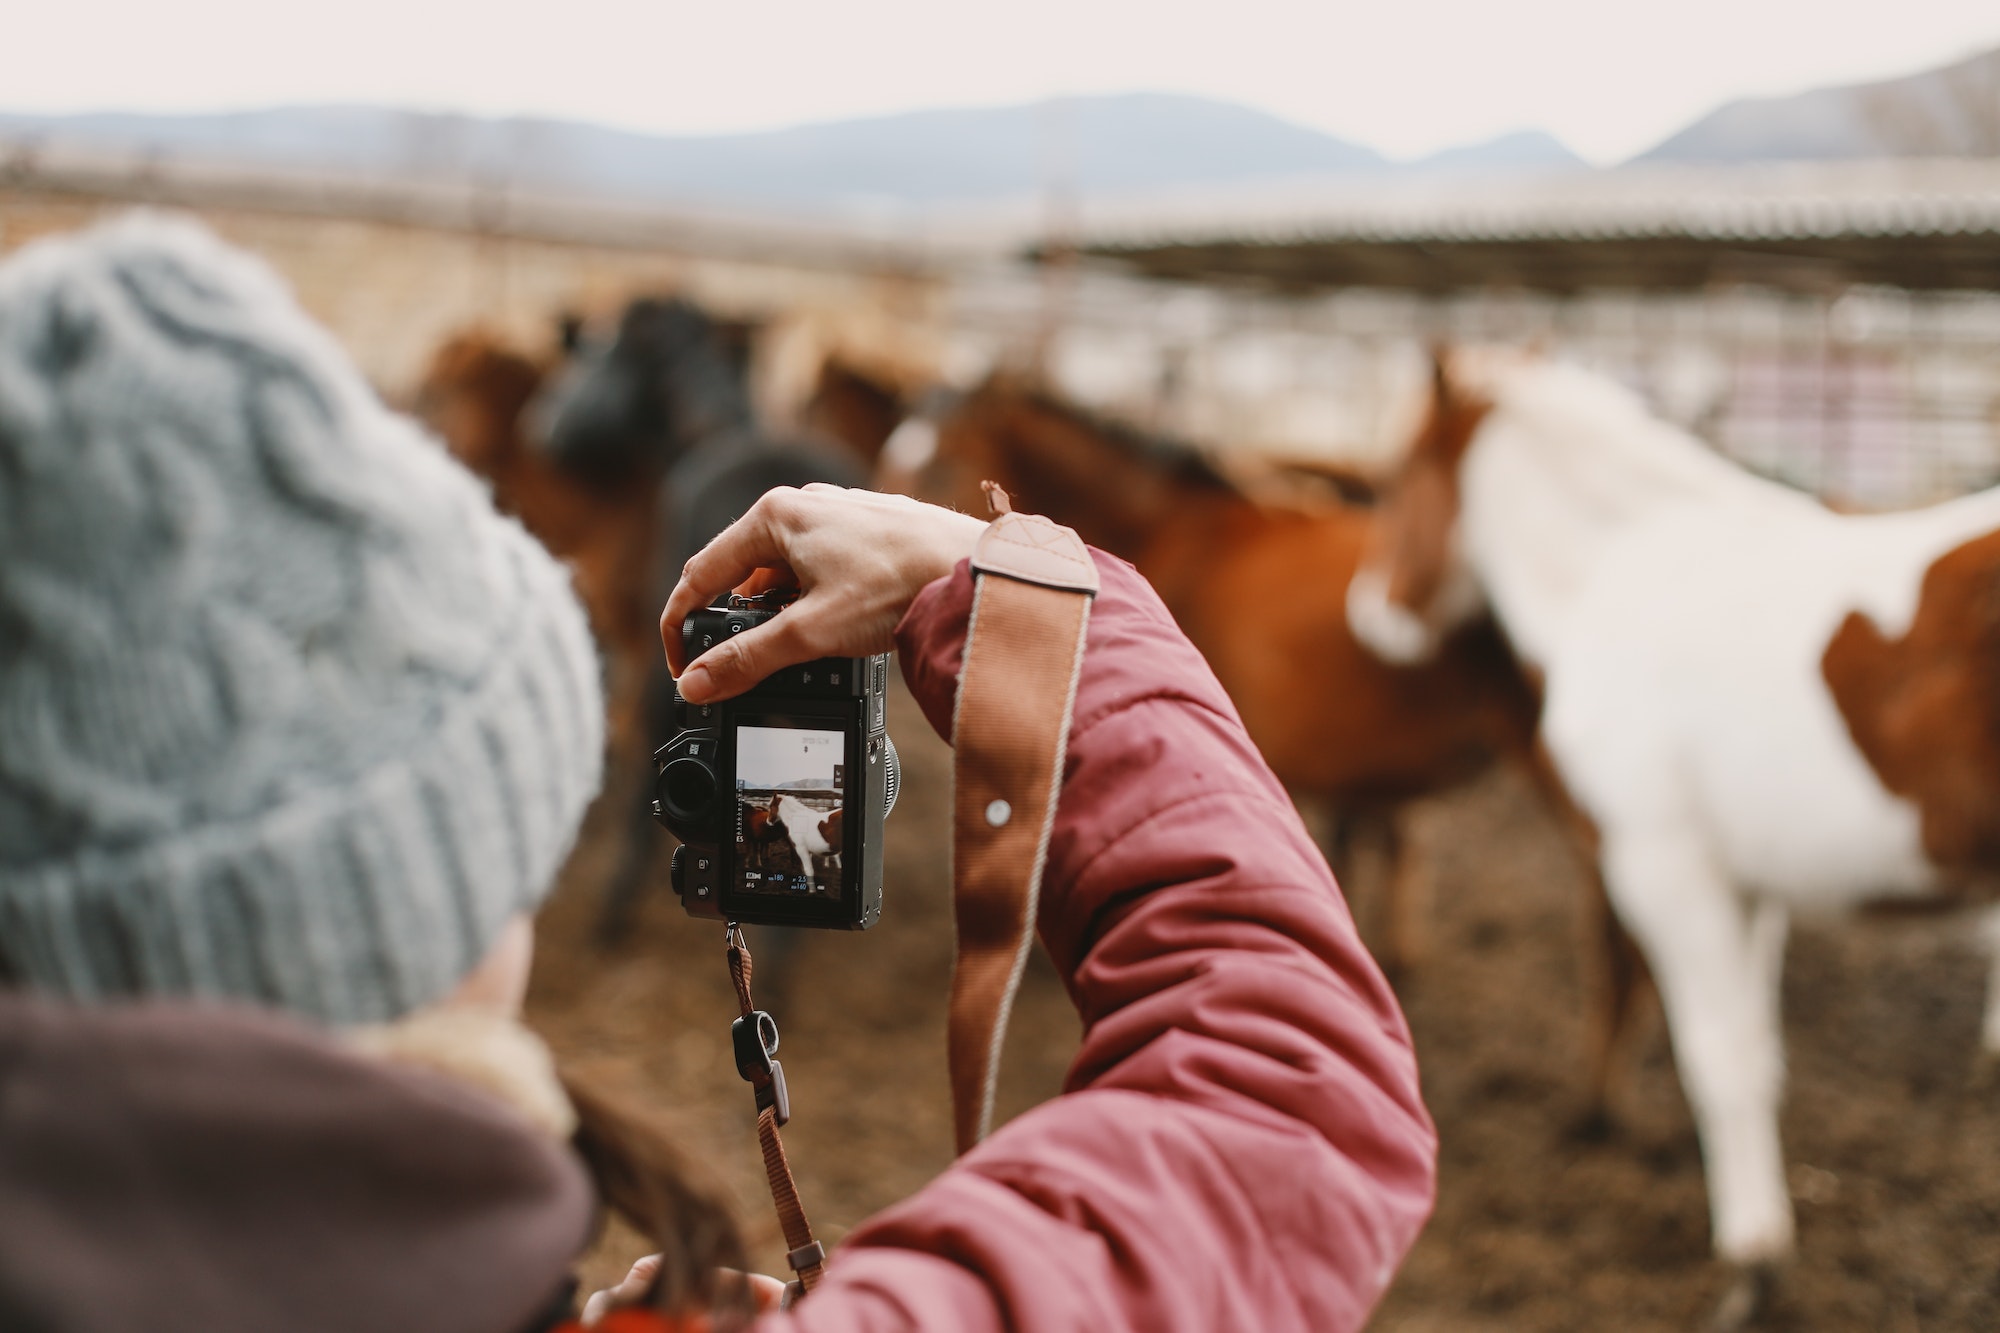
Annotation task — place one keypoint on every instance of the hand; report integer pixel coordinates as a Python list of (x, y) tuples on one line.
[(857, 558), (767, 1293)]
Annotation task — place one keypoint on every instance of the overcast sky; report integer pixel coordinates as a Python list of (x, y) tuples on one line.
[(1608, 78)]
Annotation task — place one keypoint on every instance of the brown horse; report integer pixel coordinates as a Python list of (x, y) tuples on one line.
[(1261, 589), (473, 394)]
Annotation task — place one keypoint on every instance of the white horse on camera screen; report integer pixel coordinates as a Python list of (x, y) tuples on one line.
[(812, 833), (1760, 705)]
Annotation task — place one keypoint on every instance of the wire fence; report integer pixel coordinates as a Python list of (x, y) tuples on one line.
[(1871, 398)]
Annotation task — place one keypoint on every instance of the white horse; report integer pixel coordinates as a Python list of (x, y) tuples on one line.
[(1760, 704), (812, 833)]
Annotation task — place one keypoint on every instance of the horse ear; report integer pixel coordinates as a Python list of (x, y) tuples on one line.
[(1441, 372)]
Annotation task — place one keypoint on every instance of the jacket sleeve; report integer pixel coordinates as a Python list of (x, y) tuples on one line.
[(1241, 1143)]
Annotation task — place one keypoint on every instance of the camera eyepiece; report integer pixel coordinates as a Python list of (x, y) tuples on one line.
[(687, 790)]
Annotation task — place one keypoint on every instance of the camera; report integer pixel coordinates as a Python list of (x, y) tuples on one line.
[(779, 795)]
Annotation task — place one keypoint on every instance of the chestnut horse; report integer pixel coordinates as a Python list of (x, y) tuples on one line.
[(1757, 704), (1260, 589)]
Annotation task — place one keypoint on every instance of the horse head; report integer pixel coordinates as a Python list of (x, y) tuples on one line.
[(1413, 587), (472, 395), (854, 408), (670, 377), (765, 822)]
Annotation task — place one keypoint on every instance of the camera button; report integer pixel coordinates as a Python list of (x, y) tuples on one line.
[(692, 872)]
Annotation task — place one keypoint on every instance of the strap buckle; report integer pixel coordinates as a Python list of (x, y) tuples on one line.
[(755, 1039)]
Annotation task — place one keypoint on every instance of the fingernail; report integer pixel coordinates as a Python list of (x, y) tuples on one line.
[(694, 683)]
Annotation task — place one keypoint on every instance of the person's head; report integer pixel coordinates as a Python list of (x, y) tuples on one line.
[(288, 713)]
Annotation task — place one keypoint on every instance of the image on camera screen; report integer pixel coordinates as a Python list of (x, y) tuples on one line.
[(790, 787)]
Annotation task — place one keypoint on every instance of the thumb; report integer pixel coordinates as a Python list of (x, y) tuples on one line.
[(737, 663)]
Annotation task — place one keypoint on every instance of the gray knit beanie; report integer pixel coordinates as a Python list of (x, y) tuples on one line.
[(287, 712)]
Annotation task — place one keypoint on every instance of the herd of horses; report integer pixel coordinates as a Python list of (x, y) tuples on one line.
[(1737, 703)]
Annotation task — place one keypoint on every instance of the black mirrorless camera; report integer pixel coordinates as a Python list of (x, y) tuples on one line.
[(778, 795)]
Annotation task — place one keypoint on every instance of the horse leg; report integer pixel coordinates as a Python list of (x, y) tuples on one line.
[(1989, 1033), (1325, 824), (1770, 927), (777, 952), (627, 882), (1405, 899), (1343, 833), (1622, 983), (1714, 973), (632, 761), (1622, 980)]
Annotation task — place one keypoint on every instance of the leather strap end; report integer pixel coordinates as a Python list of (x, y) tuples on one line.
[(1032, 549)]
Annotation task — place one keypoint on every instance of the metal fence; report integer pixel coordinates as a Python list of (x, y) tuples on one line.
[(1872, 398)]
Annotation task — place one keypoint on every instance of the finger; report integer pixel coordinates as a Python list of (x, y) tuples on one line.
[(738, 551), (766, 1291), (637, 1282), (737, 663), (766, 579)]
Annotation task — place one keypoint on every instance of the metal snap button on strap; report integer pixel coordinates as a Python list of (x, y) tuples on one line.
[(998, 813)]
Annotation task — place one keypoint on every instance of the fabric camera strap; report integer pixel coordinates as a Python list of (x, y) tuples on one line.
[(1032, 586), (806, 1256), (1033, 582)]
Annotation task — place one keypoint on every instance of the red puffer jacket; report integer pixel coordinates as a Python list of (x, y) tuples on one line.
[(1241, 1144)]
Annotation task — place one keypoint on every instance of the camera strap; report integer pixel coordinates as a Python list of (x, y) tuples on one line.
[(755, 1038), (1033, 582)]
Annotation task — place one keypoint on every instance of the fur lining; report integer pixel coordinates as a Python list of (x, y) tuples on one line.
[(495, 1054)]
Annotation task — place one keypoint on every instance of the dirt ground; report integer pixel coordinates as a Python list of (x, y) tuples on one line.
[(1891, 1136)]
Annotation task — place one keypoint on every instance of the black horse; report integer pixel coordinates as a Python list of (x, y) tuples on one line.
[(666, 403)]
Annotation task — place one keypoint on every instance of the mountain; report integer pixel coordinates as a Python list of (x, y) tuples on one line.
[(1130, 143), (1523, 150), (1953, 111)]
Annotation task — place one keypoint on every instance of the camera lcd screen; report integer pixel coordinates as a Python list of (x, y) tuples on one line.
[(791, 786)]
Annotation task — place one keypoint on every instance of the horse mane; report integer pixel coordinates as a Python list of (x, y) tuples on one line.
[(478, 358), (478, 367), (853, 407), (1588, 415), (1167, 456)]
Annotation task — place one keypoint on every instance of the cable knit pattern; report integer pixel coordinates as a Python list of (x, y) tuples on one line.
[(287, 712)]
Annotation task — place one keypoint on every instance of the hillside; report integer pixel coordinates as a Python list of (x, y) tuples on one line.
[(1098, 145), (1953, 111)]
